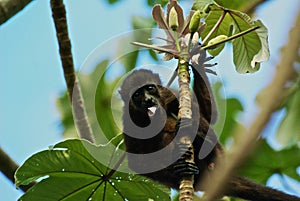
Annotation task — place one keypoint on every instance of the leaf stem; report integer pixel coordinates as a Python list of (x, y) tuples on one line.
[(215, 27), (176, 41), (231, 37), (154, 47)]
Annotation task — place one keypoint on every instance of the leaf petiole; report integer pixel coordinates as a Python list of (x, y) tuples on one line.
[(230, 38)]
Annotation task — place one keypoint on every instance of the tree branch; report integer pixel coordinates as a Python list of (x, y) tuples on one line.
[(74, 90), (8, 167), (9, 8), (186, 187), (269, 102)]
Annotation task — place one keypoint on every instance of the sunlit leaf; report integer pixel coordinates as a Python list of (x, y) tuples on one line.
[(201, 5), (250, 49), (70, 171), (212, 19)]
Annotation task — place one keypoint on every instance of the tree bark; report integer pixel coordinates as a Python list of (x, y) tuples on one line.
[(9, 8), (186, 189), (74, 90)]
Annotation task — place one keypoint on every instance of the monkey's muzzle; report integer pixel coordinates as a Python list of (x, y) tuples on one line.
[(152, 110)]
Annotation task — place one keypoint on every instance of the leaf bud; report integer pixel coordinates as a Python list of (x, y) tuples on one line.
[(215, 50), (173, 19), (195, 21), (217, 39)]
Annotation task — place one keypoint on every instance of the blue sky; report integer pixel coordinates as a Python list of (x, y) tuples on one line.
[(31, 77)]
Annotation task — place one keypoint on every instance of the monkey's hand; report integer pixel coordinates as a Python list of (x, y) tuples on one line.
[(183, 167)]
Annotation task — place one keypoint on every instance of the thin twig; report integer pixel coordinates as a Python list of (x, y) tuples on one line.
[(74, 90), (245, 143), (8, 167), (155, 47), (231, 38)]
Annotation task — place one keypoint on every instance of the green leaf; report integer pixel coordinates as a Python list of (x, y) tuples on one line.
[(71, 171), (153, 2), (250, 49), (98, 96), (235, 4), (139, 22), (66, 116), (98, 93), (288, 131), (113, 1), (223, 29), (265, 162), (242, 5), (201, 5), (217, 49), (153, 54), (233, 108)]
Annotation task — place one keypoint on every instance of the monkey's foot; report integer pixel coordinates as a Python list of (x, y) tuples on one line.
[(185, 151), (184, 123), (185, 168)]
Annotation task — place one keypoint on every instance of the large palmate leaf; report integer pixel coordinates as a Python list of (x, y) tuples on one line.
[(70, 171), (265, 162)]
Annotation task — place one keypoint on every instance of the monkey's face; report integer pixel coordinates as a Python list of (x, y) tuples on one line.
[(146, 99)]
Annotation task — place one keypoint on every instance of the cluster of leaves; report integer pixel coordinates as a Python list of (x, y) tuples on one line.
[(249, 50)]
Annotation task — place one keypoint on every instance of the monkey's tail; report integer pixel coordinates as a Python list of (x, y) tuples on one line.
[(246, 189)]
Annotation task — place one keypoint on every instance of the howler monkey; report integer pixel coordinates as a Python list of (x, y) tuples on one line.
[(150, 136)]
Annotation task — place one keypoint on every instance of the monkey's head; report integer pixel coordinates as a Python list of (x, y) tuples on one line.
[(140, 92)]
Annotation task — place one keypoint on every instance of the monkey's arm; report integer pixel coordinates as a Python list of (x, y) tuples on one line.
[(204, 95)]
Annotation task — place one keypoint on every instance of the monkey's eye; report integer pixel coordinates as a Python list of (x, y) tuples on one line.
[(151, 88), (136, 94)]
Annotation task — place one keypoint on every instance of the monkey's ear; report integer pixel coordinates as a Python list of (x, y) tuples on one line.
[(125, 96)]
